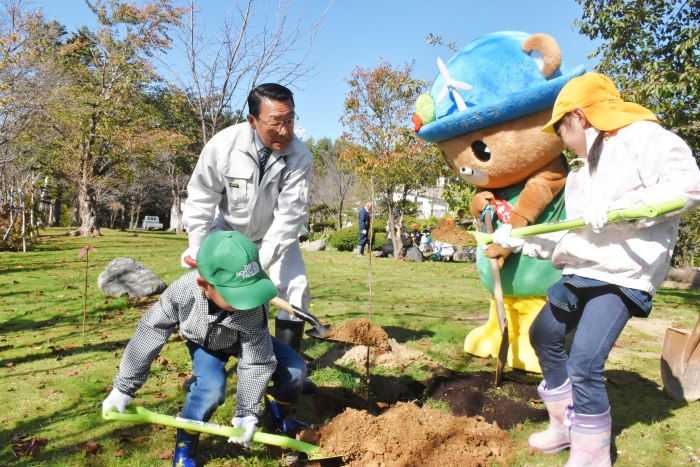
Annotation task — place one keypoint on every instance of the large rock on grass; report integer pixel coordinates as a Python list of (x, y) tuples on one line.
[(124, 276)]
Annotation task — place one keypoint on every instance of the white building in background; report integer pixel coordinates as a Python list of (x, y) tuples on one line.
[(428, 201), (428, 205)]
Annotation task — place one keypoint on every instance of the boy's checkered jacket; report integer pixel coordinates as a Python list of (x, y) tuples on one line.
[(241, 333)]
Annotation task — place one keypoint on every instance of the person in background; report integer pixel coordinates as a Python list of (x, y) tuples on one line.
[(415, 236), (610, 271), (221, 311), (363, 225), (254, 178)]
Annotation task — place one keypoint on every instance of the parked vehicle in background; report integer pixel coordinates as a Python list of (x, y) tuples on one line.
[(151, 223)]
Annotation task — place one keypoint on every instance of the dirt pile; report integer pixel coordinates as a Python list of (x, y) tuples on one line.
[(392, 355), (407, 435), (359, 331), (447, 232)]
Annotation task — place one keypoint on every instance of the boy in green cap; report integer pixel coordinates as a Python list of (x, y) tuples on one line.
[(221, 311)]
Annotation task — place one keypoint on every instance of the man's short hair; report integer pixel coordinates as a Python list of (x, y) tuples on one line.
[(271, 91)]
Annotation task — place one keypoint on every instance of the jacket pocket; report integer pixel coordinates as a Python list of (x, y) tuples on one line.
[(239, 185)]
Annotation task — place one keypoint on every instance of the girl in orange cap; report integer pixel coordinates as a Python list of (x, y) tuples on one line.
[(609, 272)]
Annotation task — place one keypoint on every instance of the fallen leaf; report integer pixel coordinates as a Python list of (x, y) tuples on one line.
[(159, 395), (119, 453), (72, 373), (30, 447), (9, 364), (40, 386), (90, 447), (138, 439), (161, 361), (50, 392), (166, 455)]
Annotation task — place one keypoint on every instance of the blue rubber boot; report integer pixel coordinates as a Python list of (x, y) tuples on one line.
[(277, 418), (185, 449)]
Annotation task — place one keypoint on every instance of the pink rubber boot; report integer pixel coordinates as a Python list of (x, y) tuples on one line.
[(556, 436), (590, 439)]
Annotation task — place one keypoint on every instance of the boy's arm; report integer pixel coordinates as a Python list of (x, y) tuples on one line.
[(152, 332), (256, 363)]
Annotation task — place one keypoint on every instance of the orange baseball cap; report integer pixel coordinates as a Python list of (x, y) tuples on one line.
[(600, 101)]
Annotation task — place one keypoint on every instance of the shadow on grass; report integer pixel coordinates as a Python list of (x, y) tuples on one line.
[(403, 335), (636, 400)]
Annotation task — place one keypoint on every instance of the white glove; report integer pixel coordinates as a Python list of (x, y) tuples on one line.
[(364, 232), (191, 252), (502, 238), (596, 215), (249, 424), (116, 399)]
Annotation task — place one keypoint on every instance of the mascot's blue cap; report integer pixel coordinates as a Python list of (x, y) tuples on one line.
[(497, 81)]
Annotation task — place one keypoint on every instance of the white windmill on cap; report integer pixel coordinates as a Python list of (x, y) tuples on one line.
[(453, 85)]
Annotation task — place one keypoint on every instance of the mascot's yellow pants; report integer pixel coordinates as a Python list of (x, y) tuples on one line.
[(485, 340)]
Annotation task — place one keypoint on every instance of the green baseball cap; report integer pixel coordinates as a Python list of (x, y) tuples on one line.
[(229, 262)]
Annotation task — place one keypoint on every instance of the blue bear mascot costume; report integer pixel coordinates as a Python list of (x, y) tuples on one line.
[(485, 111)]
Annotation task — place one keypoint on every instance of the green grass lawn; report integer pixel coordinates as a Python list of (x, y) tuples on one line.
[(52, 379)]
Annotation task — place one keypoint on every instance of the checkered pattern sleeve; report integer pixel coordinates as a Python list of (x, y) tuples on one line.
[(152, 332), (256, 363)]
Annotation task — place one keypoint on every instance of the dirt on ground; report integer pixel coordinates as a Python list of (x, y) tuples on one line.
[(408, 435), (448, 232), (388, 426), (359, 331)]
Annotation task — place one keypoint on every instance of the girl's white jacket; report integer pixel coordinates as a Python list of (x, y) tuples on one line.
[(640, 164)]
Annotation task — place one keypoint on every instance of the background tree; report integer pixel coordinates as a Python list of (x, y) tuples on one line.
[(651, 49), (381, 143), (256, 41), (333, 182), (99, 114)]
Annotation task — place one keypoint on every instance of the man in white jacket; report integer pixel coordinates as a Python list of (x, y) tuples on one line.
[(254, 178)]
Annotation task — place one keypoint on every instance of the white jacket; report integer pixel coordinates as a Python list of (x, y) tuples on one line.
[(640, 164), (226, 177)]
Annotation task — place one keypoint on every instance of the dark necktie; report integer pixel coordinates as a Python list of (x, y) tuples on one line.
[(264, 155)]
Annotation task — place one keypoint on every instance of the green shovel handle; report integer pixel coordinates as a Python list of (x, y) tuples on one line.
[(138, 414), (635, 212)]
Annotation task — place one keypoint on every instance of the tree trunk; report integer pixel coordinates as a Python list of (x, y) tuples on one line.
[(176, 214), (87, 204), (395, 230)]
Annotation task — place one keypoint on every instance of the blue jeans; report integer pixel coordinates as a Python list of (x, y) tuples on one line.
[(601, 315), (209, 391)]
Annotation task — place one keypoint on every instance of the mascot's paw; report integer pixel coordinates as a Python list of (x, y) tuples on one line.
[(480, 201), (498, 253)]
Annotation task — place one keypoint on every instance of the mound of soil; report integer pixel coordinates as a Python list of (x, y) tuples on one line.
[(387, 427), (359, 331), (390, 355), (408, 435), (447, 232)]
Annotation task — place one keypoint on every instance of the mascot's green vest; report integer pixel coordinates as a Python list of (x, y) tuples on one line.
[(522, 276)]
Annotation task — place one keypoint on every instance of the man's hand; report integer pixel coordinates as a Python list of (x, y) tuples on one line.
[(249, 424), (192, 253), (116, 399)]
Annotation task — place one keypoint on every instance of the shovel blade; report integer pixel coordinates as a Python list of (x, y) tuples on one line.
[(317, 333), (680, 376)]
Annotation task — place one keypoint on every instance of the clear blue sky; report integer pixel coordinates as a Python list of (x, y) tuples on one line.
[(360, 32)]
